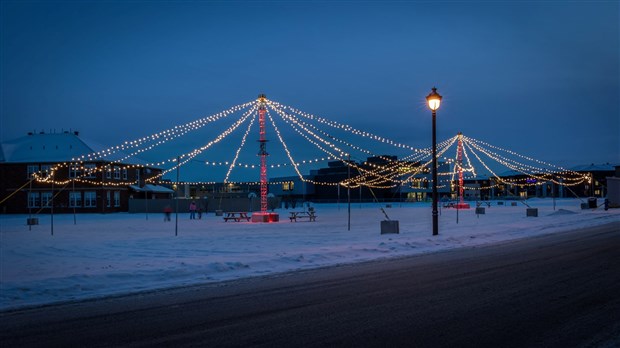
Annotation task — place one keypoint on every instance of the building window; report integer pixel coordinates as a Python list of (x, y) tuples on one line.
[(33, 200), (90, 199), (75, 199), (108, 199), (75, 171), (288, 186), (31, 169), (117, 198), (46, 199), (108, 172), (124, 173), (117, 172), (90, 170), (46, 169)]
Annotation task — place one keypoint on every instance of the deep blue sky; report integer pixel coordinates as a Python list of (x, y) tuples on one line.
[(540, 78)]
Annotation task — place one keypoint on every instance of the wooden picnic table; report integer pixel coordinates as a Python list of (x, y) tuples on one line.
[(310, 215), (236, 216)]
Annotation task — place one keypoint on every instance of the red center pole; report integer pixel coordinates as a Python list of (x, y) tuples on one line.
[(263, 156)]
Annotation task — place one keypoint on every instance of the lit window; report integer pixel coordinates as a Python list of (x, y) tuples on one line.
[(288, 186)]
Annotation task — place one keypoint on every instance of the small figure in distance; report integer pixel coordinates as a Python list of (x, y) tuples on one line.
[(167, 212), (192, 210)]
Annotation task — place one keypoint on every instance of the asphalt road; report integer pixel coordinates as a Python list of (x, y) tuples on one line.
[(560, 290)]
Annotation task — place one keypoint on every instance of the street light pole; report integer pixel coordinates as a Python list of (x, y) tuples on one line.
[(434, 99)]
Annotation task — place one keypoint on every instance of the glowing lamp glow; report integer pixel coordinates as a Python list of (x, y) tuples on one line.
[(433, 99)]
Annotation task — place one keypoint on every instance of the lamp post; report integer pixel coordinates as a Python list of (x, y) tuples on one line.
[(433, 100)]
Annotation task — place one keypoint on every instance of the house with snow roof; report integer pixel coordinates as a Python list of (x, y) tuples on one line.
[(41, 171)]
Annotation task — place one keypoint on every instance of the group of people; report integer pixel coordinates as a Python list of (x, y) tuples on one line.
[(193, 209)]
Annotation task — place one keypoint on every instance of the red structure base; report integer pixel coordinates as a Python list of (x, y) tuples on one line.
[(265, 217), (462, 206)]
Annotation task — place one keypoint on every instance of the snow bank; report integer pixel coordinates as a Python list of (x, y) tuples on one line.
[(121, 253)]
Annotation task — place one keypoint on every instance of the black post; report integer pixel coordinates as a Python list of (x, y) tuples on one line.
[(553, 191), (176, 208), (435, 214), (73, 190), (349, 190), (30, 203), (52, 207)]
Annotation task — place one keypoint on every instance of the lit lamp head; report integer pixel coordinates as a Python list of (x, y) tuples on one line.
[(433, 99)]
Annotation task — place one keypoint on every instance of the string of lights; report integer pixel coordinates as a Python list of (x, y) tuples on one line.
[(559, 170), (344, 127), (234, 161), (190, 155), (161, 137), (381, 172), (288, 152)]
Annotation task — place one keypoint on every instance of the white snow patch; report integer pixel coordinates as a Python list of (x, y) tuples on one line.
[(113, 254)]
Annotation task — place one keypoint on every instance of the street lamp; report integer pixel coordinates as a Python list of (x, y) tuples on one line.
[(433, 100)]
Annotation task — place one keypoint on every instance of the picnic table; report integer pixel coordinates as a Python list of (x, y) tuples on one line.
[(310, 215), (236, 216)]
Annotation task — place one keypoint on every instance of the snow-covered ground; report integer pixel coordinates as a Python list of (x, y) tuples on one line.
[(121, 253)]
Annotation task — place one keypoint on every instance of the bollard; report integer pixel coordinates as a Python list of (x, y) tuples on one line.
[(389, 226)]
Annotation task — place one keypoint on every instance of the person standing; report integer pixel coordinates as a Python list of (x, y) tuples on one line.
[(167, 212), (192, 210)]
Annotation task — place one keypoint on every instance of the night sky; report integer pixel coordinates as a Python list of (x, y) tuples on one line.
[(539, 78)]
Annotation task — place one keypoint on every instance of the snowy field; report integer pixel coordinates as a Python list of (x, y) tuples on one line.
[(121, 253)]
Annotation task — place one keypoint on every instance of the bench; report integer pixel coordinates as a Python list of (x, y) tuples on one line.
[(310, 215), (236, 216)]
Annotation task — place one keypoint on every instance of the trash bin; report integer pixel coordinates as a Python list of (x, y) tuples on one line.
[(480, 210), (592, 202)]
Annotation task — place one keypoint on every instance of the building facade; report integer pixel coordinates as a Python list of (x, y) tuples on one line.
[(87, 186)]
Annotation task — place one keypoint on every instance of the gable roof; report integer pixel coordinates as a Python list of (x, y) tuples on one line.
[(54, 148)]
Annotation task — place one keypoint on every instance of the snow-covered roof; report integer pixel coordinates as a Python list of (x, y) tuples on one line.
[(54, 148), (151, 188)]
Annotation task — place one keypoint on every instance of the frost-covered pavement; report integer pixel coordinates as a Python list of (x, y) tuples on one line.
[(121, 253)]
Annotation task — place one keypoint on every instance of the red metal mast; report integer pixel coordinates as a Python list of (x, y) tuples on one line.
[(459, 163), (264, 215), (263, 154)]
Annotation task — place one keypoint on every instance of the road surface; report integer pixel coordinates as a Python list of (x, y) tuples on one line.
[(560, 290)]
